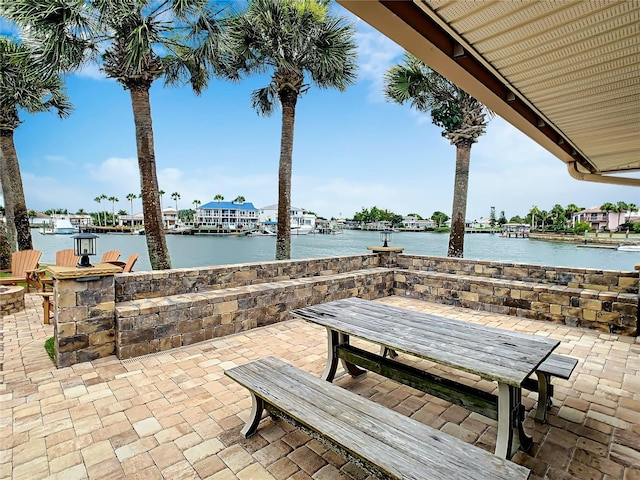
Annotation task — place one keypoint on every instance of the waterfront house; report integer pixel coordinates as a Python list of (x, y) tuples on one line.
[(136, 220), (39, 220), (301, 222), (594, 216), (228, 215), (601, 220), (412, 222), (170, 217)]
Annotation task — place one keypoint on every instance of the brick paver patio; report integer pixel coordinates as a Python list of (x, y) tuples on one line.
[(176, 416)]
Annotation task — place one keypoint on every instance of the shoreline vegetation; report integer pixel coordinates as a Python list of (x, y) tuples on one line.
[(610, 238)]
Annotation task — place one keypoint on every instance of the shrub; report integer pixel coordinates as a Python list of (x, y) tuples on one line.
[(49, 347), (581, 227)]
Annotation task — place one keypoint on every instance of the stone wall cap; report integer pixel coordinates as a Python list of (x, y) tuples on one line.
[(97, 270), (386, 249)]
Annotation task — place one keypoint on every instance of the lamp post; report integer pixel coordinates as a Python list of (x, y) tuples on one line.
[(85, 245), (385, 237)]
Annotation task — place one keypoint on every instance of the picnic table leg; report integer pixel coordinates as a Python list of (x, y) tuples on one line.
[(511, 434), (352, 369), (334, 339), (257, 407), (384, 351), (332, 359), (544, 399)]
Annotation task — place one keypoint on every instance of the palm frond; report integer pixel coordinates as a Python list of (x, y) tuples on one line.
[(24, 87), (263, 100), (462, 117)]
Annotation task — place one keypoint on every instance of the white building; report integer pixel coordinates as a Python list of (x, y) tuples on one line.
[(169, 219), (301, 222), (413, 223)]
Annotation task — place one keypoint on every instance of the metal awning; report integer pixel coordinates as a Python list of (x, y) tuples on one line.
[(567, 74)]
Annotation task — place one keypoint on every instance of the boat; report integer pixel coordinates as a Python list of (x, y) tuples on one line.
[(179, 230), (301, 229), (59, 226), (629, 248), (264, 232)]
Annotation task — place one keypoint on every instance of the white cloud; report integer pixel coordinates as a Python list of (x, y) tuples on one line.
[(376, 54), (44, 193), (121, 173), (336, 197), (91, 70)]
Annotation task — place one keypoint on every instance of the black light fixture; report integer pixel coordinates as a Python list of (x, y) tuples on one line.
[(85, 245), (385, 237)]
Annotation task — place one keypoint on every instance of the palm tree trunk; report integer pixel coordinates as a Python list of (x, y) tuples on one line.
[(288, 99), (156, 243), (459, 209), (9, 234), (15, 206)]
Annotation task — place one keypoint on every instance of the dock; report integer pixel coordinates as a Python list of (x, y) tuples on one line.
[(595, 245)]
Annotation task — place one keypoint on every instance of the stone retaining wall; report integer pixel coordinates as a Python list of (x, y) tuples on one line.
[(139, 313), (603, 310), (11, 300), (139, 285), (156, 324), (587, 278), (84, 319)]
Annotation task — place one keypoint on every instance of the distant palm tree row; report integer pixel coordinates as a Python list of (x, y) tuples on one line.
[(101, 215), (559, 217), (298, 42), (619, 208)]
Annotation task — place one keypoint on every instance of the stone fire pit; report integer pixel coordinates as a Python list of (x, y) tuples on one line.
[(11, 300)]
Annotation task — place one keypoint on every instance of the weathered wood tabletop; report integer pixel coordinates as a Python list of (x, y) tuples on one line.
[(492, 353), (506, 357)]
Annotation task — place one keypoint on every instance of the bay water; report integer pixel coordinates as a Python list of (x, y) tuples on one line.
[(206, 250)]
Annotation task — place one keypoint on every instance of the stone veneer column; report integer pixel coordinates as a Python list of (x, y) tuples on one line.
[(84, 313), (388, 255)]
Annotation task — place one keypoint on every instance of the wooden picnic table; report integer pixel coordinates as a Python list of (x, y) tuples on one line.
[(507, 357)]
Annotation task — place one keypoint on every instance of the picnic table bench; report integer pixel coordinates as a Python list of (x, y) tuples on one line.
[(384, 442), (507, 357)]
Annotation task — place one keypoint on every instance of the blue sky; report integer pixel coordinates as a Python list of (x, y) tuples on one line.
[(351, 150)]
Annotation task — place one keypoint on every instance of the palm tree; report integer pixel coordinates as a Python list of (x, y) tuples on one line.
[(620, 208), (22, 87), (239, 199), (557, 215), (544, 218), (131, 197), (290, 39), (461, 117), (141, 41), (113, 201), (632, 207), (160, 195), (104, 197), (176, 197), (98, 199), (196, 204), (607, 208), (570, 210), (535, 211)]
